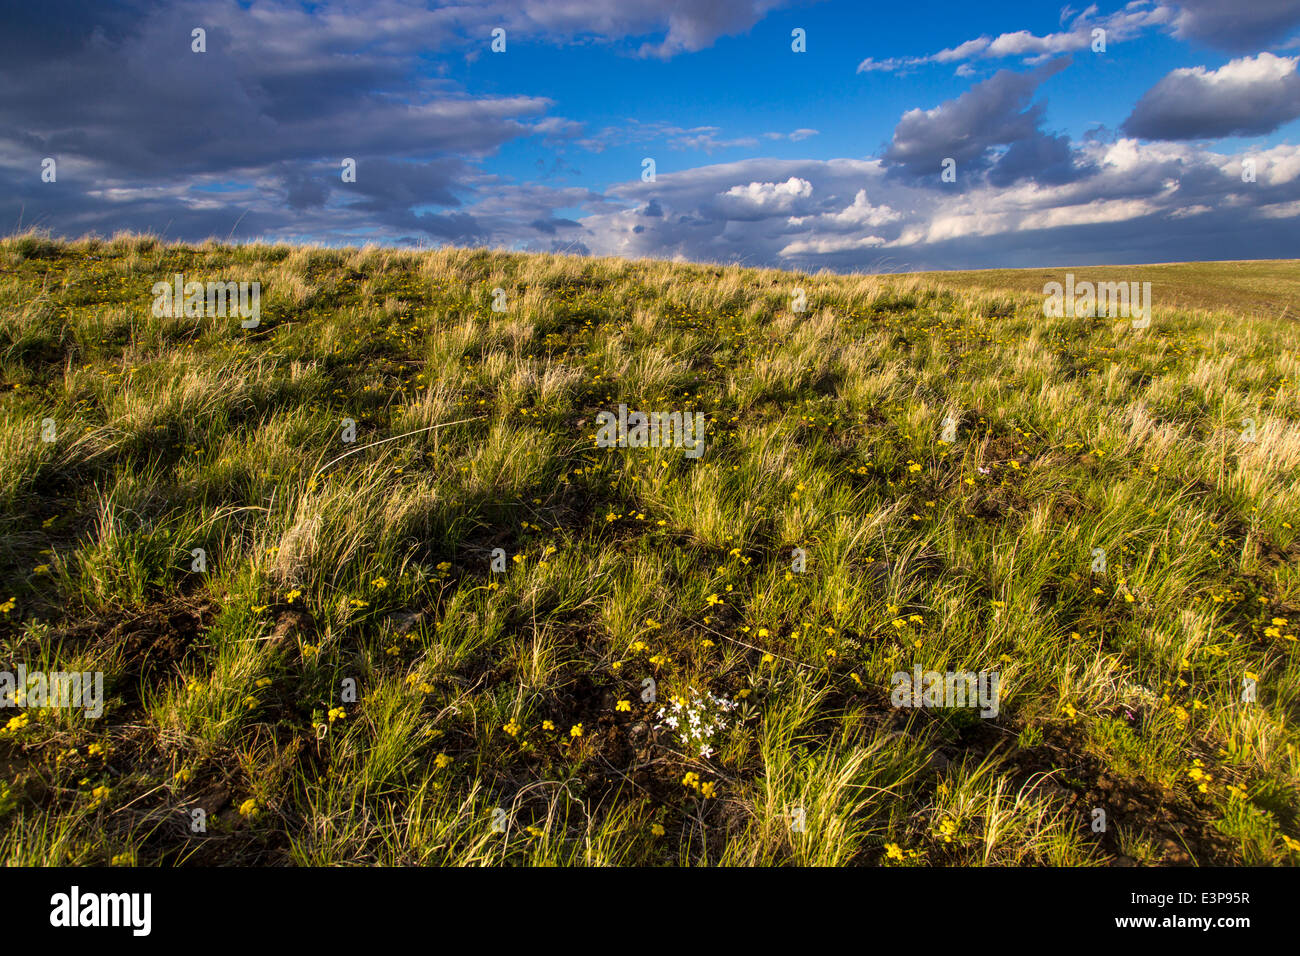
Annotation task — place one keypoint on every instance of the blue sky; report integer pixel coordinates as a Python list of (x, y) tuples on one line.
[(829, 158), (752, 84)]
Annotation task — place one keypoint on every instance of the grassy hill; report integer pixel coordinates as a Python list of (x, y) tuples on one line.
[(1104, 530)]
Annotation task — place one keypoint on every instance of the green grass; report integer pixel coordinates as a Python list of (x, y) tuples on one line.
[(1267, 288), (516, 698)]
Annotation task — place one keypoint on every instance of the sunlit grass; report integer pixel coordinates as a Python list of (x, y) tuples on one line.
[(448, 641)]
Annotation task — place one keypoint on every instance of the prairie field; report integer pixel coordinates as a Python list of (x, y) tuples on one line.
[(365, 587)]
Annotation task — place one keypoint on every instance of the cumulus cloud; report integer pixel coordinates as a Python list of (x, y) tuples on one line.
[(1134, 191), (1250, 96), (858, 213), (760, 200)]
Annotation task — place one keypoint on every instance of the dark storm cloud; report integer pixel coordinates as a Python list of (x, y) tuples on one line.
[(303, 191), (1237, 26), (1043, 158), (389, 184), (551, 226), (1251, 96), (995, 112), (150, 106), (34, 32), (457, 227), (142, 127)]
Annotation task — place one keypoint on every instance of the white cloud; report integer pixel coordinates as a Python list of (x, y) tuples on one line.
[(821, 247), (764, 199), (1278, 165), (858, 213), (1119, 26), (1238, 26), (1281, 210)]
